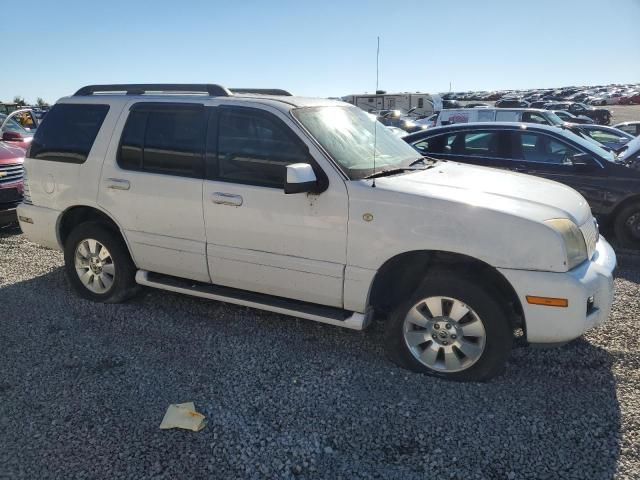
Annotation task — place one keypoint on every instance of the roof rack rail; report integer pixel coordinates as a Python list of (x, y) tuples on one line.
[(141, 88), (262, 91)]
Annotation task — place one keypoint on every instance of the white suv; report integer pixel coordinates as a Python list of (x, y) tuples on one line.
[(258, 198)]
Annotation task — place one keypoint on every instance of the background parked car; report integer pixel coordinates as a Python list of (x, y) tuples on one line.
[(598, 115), (12, 132), (632, 128), (571, 118), (611, 187), (512, 103), (11, 181), (529, 115)]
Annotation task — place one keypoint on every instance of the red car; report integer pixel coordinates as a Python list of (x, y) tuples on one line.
[(11, 181), (14, 133)]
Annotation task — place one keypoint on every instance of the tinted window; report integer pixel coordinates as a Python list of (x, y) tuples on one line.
[(420, 102), (254, 148), (133, 141), (543, 149), (68, 132), (480, 144), (534, 117), (164, 139)]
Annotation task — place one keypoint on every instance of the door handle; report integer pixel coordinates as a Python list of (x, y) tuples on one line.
[(118, 184), (226, 199)]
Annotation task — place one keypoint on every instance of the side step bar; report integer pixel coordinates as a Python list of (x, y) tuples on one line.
[(285, 306)]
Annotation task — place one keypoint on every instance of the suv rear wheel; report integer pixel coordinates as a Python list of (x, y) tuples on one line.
[(98, 264), (451, 328)]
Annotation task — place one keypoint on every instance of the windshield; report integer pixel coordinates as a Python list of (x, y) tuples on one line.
[(554, 119), (347, 134), (10, 125), (591, 145)]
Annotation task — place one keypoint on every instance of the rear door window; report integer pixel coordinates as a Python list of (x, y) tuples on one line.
[(164, 138), (68, 132)]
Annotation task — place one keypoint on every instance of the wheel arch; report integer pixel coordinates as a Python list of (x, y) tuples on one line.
[(400, 275), (77, 214), (634, 198)]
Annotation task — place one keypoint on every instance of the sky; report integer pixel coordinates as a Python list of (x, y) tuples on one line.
[(317, 48)]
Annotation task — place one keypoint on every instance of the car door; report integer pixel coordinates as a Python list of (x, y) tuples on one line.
[(259, 238), (544, 155), (152, 185)]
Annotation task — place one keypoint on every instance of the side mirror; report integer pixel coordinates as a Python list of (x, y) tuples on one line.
[(12, 137), (300, 178), (582, 160)]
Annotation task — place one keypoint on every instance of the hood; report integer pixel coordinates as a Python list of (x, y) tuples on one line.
[(512, 193), (10, 154)]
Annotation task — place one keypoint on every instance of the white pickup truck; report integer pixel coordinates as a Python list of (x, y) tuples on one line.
[(259, 198)]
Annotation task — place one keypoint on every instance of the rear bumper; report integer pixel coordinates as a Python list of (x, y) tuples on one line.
[(39, 224), (588, 288)]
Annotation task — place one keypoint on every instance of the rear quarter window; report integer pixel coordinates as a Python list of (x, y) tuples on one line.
[(68, 132)]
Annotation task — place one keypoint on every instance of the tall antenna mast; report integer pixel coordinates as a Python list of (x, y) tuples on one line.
[(375, 125)]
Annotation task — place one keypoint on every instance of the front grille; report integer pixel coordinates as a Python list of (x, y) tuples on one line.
[(11, 173), (590, 233)]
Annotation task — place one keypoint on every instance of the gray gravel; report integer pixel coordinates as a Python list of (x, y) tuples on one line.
[(83, 388)]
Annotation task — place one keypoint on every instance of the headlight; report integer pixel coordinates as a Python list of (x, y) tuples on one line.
[(574, 244)]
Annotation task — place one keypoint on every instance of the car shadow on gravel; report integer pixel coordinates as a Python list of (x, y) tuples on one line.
[(83, 388), (9, 230)]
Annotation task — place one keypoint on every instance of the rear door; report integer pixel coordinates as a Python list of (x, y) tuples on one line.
[(152, 184)]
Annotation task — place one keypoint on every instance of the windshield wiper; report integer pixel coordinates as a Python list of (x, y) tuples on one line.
[(424, 160), (390, 171)]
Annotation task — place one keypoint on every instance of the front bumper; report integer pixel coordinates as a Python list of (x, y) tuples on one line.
[(588, 288), (8, 215)]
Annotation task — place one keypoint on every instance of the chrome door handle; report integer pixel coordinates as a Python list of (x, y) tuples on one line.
[(118, 184), (226, 199)]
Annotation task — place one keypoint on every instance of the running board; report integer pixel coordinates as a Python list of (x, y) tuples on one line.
[(285, 306)]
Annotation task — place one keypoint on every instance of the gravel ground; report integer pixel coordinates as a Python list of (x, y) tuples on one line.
[(83, 388)]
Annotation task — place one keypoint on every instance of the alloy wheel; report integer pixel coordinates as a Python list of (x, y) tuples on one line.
[(444, 334), (94, 266)]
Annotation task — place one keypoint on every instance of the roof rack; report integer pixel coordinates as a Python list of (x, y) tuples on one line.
[(141, 88), (262, 91), (210, 89)]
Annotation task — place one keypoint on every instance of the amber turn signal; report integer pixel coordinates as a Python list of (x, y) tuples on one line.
[(547, 301)]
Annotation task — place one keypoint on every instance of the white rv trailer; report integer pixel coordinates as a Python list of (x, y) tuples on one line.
[(424, 103)]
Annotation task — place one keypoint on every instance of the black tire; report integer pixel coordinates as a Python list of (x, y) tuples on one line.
[(124, 285), (626, 226), (491, 311)]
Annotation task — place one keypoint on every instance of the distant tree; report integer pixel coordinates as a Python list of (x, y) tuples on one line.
[(20, 101), (41, 103)]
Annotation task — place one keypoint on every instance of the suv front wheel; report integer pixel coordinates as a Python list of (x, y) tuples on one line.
[(98, 264), (452, 328)]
